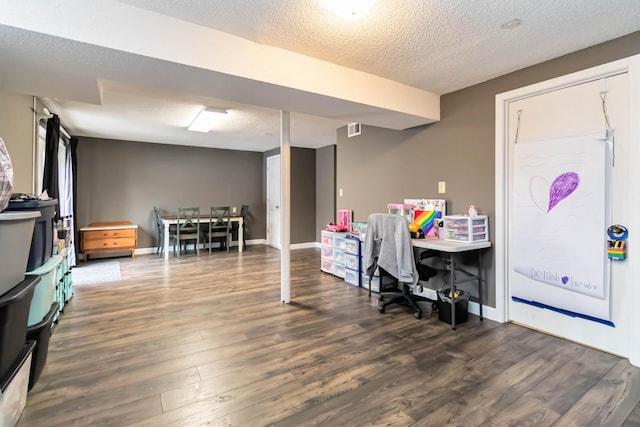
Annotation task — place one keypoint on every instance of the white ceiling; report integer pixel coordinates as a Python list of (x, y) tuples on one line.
[(109, 73)]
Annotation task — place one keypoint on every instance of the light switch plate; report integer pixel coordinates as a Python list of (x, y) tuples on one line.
[(442, 187)]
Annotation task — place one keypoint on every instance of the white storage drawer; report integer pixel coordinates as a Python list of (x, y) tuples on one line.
[(352, 261), (339, 240), (326, 237), (338, 270), (352, 246), (365, 283), (338, 257), (351, 277), (327, 252), (326, 265), (460, 228)]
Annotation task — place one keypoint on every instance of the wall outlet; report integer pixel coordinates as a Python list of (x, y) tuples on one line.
[(340, 192), (442, 187), (233, 210)]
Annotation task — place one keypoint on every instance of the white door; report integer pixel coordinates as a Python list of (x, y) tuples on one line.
[(569, 111), (273, 201)]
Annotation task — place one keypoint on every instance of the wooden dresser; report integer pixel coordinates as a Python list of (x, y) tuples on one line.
[(108, 237)]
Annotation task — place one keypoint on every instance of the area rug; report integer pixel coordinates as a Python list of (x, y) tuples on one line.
[(96, 272)]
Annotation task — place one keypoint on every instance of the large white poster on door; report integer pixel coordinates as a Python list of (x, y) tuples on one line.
[(560, 217)]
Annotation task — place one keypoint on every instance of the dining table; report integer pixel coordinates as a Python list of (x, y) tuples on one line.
[(169, 220)]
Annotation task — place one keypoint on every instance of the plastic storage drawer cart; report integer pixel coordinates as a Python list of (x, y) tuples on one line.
[(352, 260), (338, 254), (332, 252), (466, 229), (326, 252)]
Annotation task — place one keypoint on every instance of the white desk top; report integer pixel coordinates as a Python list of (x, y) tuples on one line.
[(448, 246)]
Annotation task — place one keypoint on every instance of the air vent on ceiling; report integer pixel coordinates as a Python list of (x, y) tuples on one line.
[(353, 129)]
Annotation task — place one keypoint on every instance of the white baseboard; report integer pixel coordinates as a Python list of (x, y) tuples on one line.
[(304, 245), (487, 312)]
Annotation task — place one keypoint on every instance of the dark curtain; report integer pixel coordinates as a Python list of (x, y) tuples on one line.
[(50, 179), (73, 144)]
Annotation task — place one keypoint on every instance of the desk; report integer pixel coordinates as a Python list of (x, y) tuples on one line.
[(169, 220), (453, 248)]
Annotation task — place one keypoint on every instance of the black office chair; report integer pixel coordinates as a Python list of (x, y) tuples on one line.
[(388, 251)]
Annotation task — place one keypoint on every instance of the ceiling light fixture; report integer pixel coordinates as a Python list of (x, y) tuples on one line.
[(206, 119), (349, 9), (512, 23)]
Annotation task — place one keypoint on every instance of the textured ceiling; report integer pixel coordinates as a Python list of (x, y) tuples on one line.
[(440, 46), (435, 46)]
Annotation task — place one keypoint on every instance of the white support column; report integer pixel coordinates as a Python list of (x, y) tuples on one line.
[(285, 207)]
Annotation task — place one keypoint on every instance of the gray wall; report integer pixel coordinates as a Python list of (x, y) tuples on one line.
[(303, 195), (325, 187), (303, 192), (382, 166), (123, 180)]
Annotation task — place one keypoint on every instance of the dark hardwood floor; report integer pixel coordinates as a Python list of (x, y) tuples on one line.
[(206, 341)]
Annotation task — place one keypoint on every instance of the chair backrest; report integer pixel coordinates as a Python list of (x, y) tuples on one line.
[(158, 216), (219, 218), (188, 220), (388, 245)]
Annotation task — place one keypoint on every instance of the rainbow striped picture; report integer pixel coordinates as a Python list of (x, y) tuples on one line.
[(426, 220), (425, 211)]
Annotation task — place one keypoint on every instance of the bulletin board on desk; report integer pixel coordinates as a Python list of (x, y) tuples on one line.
[(425, 212)]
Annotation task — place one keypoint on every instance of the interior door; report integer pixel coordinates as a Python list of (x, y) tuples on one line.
[(273, 201), (574, 110)]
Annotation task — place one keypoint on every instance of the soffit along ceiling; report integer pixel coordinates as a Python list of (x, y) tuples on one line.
[(141, 69)]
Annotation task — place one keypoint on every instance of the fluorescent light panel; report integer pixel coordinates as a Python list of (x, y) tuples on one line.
[(207, 119)]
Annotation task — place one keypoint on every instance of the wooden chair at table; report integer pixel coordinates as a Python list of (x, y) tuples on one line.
[(187, 230), (159, 230), (219, 226)]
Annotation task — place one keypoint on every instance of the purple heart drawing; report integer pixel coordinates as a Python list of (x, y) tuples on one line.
[(546, 196), (562, 187), (565, 279)]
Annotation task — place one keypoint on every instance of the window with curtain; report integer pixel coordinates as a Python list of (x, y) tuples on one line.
[(65, 179)]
